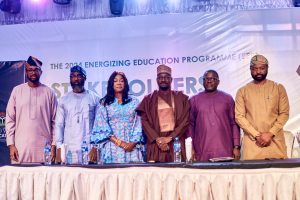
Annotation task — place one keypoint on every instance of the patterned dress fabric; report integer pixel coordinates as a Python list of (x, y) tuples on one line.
[(123, 122)]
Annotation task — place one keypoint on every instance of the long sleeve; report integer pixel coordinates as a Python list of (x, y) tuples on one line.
[(136, 134), (10, 122), (53, 116), (183, 122), (191, 130), (234, 127), (101, 130), (59, 125), (147, 126), (240, 114), (95, 110), (283, 111), (93, 106), (149, 131)]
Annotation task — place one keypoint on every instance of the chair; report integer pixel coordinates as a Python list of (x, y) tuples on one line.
[(289, 141)]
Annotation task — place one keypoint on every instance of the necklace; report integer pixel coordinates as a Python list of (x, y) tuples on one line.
[(119, 100), (78, 106)]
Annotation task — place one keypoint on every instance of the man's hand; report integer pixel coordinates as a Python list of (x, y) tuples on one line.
[(259, 142), (13, 152), (58, 156), (162, 143), (193, 154), (264, 139), (163, 140), (164, 147), (93, 154), (236, 154), (53, 153), (166, 140)]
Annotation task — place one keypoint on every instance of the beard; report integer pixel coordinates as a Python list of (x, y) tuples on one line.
[(76, 86), (259, 77), (34, 80), (164, 88), (210, 89), (164, 85)]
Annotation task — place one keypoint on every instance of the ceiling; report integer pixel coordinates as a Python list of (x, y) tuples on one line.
[(47, 10)]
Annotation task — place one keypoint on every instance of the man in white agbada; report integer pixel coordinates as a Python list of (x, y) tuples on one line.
[(75, 115)]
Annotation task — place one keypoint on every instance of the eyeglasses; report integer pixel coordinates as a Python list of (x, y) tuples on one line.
[(211, 79), (164, 78), (31, 71)]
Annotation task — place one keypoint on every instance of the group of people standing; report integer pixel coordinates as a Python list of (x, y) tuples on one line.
[(124, 127)]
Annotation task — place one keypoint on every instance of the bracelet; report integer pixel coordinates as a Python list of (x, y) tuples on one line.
[(113, 139), (118, 142)]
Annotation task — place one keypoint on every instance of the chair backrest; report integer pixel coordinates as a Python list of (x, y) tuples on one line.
[(242, 144), (289, 141)]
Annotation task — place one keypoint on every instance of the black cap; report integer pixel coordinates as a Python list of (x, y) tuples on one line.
[(32, 61)]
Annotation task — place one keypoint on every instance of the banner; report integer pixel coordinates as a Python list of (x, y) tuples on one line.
[(11, 74), (190, 43)]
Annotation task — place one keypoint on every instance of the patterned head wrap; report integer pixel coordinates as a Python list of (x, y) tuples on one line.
[(79, 69), (32, 61), (164, 69), (259, 59)]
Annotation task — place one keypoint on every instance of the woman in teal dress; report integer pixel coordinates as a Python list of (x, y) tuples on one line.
[(117, 127)]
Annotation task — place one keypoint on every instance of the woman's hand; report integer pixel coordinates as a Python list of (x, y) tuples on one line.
[(128, 146), (93, 154)]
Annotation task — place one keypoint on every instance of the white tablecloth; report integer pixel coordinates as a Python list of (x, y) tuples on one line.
[(149, 183)]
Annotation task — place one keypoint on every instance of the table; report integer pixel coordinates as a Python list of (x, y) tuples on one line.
[(249, 180)]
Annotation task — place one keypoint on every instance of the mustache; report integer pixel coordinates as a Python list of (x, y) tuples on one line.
[(77, 84), (31, 75)]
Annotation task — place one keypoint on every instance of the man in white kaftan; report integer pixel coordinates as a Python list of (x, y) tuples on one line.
[(75, 115)]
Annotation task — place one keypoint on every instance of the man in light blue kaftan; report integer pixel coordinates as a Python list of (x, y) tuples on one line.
[(75, 115), (121, 121)]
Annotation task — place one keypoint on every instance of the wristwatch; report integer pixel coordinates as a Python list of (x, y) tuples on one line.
[(237, 147)]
